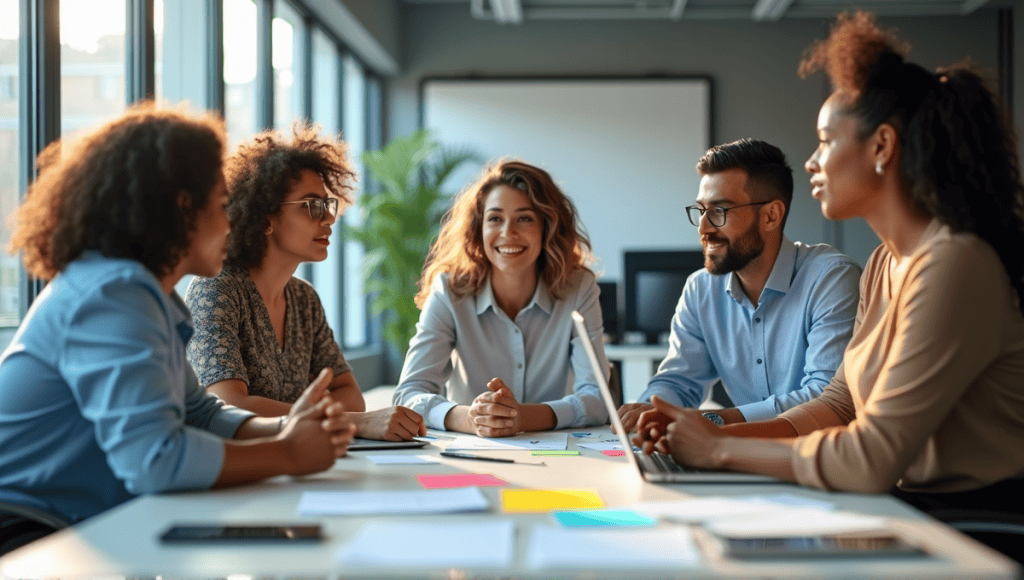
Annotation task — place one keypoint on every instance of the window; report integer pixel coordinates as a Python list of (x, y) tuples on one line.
[(327, 275), (10, 159), (286, 39), (354, 120), (239, 70), (92, 62), (158, 48)]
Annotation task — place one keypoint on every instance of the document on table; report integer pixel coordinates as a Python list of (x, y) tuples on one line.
[(528, 441), (420, 546), (402, 459), (718, 508), (600, 549), (783, 523), (349, 503), (604, 445)]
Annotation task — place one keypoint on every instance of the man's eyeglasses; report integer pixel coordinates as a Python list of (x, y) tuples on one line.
[(716, 214), (316, 206)]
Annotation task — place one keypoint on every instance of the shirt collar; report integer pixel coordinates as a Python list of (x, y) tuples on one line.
[(541, 298), (780, 277), (181, 318)]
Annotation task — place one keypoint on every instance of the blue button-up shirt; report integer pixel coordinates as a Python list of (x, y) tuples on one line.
[(460, 345), (97, 401), (771, 357)]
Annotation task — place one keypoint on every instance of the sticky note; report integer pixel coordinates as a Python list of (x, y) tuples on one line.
[(613, 452), (460, 480), (532, 501), (536, 453), (600, 518)]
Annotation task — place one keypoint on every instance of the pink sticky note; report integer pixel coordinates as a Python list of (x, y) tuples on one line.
[(460, 480), (613, 452)]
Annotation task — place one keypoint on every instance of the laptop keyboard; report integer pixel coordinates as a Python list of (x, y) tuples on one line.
[(659, 462)]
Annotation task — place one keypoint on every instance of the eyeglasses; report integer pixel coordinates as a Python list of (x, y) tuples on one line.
[(317, 205), (716, 214)]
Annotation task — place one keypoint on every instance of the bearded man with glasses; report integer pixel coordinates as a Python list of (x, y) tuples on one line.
[(767, 316)]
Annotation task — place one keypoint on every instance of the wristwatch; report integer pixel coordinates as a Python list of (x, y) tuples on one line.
[(714, 418)]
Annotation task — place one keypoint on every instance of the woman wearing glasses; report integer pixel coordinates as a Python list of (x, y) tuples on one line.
[(929, 398), (495, 334), (260, 331)]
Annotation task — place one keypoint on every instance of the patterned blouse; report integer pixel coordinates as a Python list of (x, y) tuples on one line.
[(234, 338)]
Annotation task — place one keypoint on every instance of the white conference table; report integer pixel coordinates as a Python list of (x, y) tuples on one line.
[(123, 542)]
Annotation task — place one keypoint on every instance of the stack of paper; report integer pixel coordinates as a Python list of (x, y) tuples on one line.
[(350, 503), (528, 441), (423, 546)]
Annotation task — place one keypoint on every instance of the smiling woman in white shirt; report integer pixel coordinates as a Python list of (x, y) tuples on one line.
[(495, 353)]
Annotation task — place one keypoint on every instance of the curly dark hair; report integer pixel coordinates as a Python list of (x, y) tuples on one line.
[(459, 249), (259, 175), (117, 189), (764, 163), (958, 158)]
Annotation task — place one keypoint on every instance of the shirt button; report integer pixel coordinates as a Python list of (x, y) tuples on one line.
[(757, 320), (758, 361), (520, 365), (517, 331)]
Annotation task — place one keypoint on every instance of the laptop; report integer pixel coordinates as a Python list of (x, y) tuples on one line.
[(657, 467)]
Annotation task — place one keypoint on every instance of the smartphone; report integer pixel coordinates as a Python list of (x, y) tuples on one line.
[(220, 533), (883, 545)]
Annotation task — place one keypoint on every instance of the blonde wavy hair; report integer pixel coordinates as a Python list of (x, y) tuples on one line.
[(459, 249)]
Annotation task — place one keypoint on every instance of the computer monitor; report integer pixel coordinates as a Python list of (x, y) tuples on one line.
[(609, 301), (654, 281)]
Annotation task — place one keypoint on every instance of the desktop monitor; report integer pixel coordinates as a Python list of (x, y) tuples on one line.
[(654, 282)]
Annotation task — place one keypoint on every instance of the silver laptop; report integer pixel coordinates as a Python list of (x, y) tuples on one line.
[(657, 467)]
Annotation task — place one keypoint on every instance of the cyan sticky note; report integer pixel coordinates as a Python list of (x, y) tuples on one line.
[(603, 518)]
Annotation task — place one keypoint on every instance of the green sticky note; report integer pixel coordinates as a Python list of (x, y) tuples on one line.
[(556, 453)]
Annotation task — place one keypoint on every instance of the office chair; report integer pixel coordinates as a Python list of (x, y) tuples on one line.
[(1001, 531), (21, 525), (615, 384)]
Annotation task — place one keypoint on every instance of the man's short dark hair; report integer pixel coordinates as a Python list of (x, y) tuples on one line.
[(768, 175)]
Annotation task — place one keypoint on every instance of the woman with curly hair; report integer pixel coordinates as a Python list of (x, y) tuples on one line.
[(97, 401), (928, 398), (495, 332), (261, 333)]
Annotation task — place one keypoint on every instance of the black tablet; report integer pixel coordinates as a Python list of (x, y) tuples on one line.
[(360, 444)]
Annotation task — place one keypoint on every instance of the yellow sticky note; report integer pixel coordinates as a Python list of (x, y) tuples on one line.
[(531, 501)]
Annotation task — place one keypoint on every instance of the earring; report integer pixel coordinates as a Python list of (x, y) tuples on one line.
[(270, 230), (878, 167)]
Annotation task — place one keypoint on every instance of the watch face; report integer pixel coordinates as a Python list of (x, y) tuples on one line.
[(714, 418)]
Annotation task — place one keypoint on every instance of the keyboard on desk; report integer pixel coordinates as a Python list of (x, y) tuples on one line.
[(661, 463)]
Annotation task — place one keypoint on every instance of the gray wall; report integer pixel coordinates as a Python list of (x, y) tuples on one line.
[(757, 91)]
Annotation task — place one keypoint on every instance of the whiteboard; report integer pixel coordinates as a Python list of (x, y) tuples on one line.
[(623, 149)]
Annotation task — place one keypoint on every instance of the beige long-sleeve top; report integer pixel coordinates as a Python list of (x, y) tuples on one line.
[(930, 395)]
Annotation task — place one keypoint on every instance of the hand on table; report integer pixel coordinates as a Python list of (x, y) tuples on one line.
[(317, 429), (651, 428), (389, 424), (495, 413)]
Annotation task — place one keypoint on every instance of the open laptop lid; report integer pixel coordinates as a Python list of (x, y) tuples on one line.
[(602, 385), (694, 476)]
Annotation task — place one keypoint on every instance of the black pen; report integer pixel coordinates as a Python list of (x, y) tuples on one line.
[(482, 458)]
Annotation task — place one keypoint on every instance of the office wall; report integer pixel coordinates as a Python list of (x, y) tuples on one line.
[(757, 91)]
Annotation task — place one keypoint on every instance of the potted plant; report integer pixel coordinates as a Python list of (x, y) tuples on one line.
[(399, 224)]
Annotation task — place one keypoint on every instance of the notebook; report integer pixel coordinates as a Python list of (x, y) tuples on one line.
[(657, 467)]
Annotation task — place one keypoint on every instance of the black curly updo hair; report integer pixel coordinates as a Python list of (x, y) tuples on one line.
[(261, 171), (958, 151)]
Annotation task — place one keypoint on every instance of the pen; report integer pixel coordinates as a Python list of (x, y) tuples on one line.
[(482, 458)]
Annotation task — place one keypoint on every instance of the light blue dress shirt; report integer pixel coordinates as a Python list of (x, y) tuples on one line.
[(769, 358), (97, 401), (460, 345)]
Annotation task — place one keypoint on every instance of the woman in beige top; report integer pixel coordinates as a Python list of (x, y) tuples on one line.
[(930, 395)]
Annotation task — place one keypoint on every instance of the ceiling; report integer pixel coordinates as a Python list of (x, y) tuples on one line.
[(518, 12)]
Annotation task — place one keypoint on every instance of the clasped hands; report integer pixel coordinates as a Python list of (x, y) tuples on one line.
[(684, 433), (317, 423), (495, 413)]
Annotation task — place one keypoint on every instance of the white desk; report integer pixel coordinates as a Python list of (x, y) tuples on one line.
[(123, 541), (638, 361)]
